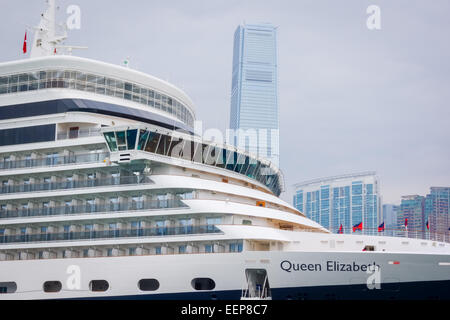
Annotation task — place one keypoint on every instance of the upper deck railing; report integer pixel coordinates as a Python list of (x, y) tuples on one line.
[(53, 160), (75, 184), (109, 234), (88, 208)]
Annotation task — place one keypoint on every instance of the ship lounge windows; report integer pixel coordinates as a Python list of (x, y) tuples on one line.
[(111, 140), (148, 284), (98, 285), (203, 284), (235, 247), (52, 286), (8, 287)]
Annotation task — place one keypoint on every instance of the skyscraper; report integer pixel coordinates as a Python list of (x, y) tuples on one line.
[(411, 208), (254, 92), (390, 212), (345, 200), (437, 213)]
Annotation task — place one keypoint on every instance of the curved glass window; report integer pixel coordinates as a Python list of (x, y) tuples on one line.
[(203, 284), (48, 79), (190, 150)]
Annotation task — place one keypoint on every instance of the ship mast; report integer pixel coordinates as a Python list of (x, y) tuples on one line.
[(46, 41)]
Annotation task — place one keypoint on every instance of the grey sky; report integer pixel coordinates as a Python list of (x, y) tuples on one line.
[(350, 99)]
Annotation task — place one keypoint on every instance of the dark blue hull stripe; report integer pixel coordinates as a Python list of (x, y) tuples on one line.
[(84, 105), (429, 290)]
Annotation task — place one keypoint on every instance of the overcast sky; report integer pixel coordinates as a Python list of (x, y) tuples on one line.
[(350, 99)]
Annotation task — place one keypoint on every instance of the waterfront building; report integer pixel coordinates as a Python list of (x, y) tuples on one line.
[(390, 212), (436, 213), (410, 218), (345, 200)]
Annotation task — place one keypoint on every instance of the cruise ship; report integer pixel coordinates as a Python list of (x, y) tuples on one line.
[(108, 193)]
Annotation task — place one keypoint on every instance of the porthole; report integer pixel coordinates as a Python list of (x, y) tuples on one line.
[(203, 284), (52, 286), (8, 287), (148, 284), (98, 285)]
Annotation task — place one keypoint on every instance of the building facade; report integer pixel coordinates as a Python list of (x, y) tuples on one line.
[(436, 213), (390, 212), (345, 200), (411, 208), (254, 92)]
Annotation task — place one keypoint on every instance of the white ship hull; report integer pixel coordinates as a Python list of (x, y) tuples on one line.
[(416, 276)]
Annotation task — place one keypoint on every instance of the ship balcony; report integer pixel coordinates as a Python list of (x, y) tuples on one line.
[(54, 160), (76, 184), (156, 204), (76, 132), (110, 234)]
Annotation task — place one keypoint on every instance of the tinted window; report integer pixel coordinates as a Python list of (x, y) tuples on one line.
[(148, 284), (203, 284), (27, 135), (131, 139), (52, 286), (98, 285), (8, 287)]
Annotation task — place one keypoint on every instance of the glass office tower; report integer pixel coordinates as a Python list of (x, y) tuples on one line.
[(390, 212), (345, 200), (254, 92), (437, 213), (411, 208)]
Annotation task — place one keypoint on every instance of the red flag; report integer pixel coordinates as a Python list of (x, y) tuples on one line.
[(54, 51), (406, 222), (25, 43), (358, 226), (428, 225), (381, 227), (341, 230)]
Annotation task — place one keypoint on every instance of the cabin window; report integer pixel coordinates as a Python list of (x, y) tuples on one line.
[(98, 285), (369, 248), (203, 284), (52, 286), (148, 284), (8, 287)]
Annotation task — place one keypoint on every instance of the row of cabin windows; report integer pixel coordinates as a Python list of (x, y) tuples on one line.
[(51, 159), (90, 205), (210, 222), (69, 180), (103, 285), (98, 84)]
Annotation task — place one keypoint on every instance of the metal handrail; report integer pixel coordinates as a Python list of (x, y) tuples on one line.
[(109, 234), (56, 161), (75, 184), (93, 208)]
